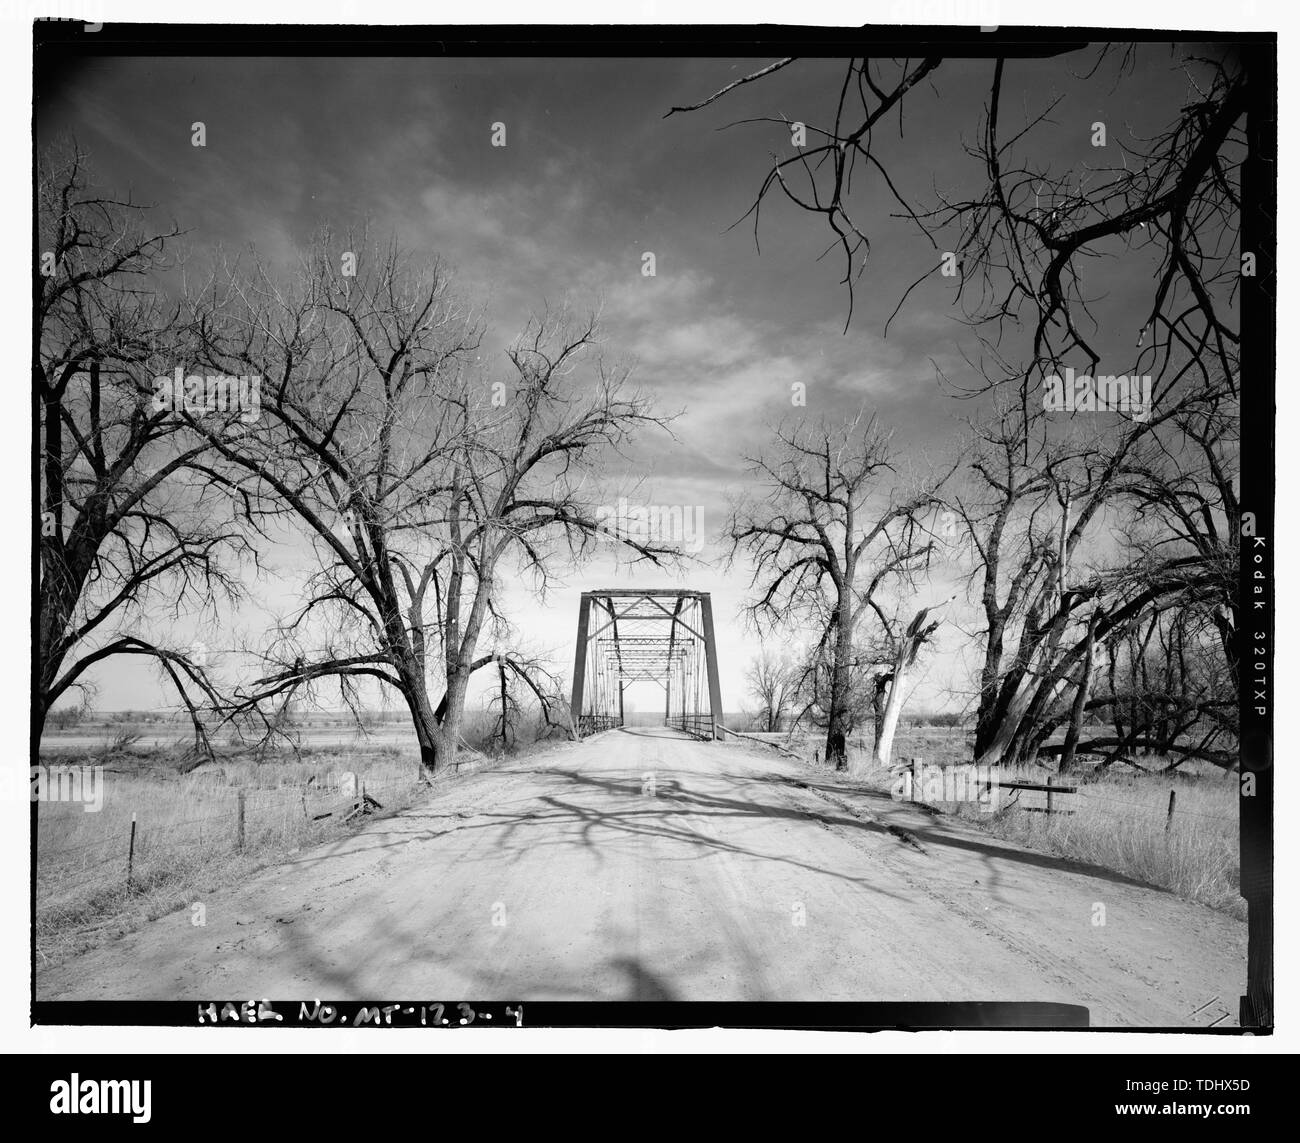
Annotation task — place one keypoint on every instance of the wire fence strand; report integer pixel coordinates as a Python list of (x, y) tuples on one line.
[(277, 803)]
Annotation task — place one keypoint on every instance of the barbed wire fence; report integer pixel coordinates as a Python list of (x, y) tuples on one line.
[(239, 819)]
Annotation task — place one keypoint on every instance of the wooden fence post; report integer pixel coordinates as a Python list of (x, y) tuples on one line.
[(1169, 815), (239, 835), (1049, 795), (130, 854)]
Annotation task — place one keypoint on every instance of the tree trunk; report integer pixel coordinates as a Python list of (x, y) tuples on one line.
[(879, 689), (447, 739), (1020, 697), (837, 753), (987, 715), (889, 724), (837, 722), (1005, 732), (433, 758), (505, 710), (1080, 698), (908, 647)]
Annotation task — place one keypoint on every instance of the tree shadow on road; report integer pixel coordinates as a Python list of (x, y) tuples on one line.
[(598, 811)]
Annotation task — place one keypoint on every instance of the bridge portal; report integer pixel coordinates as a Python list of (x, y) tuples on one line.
[(657, 635)]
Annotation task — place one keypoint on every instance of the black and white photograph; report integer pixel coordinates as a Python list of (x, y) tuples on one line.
[(587, 520)]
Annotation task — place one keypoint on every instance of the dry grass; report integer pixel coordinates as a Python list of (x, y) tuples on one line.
[(1119, 818), (1119, 822), (187, 842), (186, 835)]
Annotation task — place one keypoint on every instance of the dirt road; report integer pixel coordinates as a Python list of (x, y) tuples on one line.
[(737, 876)]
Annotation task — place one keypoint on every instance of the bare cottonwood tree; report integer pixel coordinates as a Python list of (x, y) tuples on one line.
[(521, 678), (1030, 251), (356, 422), (1040, 523), (772, 681), (1024, 242), (1158, 691), (526, 482), (1026, 520), (827, 540), (415, 477), (135, 521), (906, 645)]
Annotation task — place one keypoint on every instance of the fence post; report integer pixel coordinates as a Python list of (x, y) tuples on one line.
[(130, 854), (918, 790), (1169, 815), (1049, 795), (239, 842)]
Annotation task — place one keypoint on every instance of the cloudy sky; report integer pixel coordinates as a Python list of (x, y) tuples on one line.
[(592, 177)]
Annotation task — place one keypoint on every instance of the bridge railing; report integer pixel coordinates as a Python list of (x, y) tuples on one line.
[(595, 723), (697, 725)]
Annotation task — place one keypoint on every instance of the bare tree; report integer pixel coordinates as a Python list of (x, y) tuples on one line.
[(827, 541), (387, 445), (522, 678), (1022, 243), (523, 482), (350, 447), (1026, 520), (1039, 524), (135, 519), (772, 682), (1159, 691), (907, 645), (1029, 253)]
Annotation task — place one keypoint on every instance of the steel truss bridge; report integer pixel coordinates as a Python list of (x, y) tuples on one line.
[(659, 636)]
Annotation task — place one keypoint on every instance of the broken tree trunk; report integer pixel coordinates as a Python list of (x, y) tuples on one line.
[(917, 634)]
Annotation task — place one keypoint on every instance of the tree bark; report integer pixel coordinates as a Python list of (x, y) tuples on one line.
[(1080, 697), (879, 689), (837, 722), (918, 632), (447, 738), (425, 722), (889, 724)]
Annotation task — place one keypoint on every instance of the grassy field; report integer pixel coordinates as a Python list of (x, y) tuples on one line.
[(186, 834), (187, 840), (1119, 821)]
